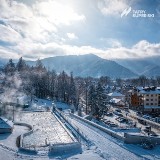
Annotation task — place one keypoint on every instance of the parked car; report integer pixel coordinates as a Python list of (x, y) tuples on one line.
[(138, 113), (146, 117), (122, 120), (118, 110), (148, 145), (35, 100), (26, 105), (147, 129), (107, 122), (113, 125), (153, 119), (157, 119), (110, 114), (118, 114)]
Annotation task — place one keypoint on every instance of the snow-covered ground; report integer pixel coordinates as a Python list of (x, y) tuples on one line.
[(9, 150), (112, 148), (87, 155), (62, 106), (8, 147), (103, 145), (38, 104), (42, 102), (46, 129), (10, 139)]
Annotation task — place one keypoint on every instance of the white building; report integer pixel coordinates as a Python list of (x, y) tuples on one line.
[(150, 97)]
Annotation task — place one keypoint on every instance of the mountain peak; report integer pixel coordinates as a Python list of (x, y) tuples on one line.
[(87, 65)]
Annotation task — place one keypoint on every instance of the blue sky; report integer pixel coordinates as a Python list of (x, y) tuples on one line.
[(46, 28)]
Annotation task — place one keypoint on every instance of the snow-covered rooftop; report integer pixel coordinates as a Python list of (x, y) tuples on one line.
[(115, 100), (156, 91), (139, 88), (130, 91), (149, 90), (5, 123), (115, 94)]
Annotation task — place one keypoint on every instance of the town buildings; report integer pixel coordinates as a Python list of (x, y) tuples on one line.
[(116, 99), (145, 99)]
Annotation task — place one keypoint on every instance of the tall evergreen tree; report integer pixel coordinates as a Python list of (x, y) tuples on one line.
[(100, 101), (92, 99), (104, 80), (52, 86), (63, 87), (72, 90), (40, 69), (10, 67), (21, 65)]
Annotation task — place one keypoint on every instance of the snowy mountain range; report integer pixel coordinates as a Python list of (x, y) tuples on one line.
[(86, 65), (92, 65), (149, 66)]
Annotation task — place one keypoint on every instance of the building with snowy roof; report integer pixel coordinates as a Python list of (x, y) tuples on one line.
[(6, 126), (117, 102), (116, 95), (146, 99)]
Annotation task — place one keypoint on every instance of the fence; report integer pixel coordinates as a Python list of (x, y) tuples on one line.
[(69, 148), (138, 139)]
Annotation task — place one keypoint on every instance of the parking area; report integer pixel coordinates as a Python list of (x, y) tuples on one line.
[(122, 121), (116, 120)]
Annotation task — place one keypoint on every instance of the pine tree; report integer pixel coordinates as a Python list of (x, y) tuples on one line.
[(63, 87), (72, 90), (52, 86), (9, 68), (104, 80), (100, 101), (92, 99), (21, 65), (39, 67)]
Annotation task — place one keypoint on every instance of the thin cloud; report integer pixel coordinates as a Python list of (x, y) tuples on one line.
[(7, 34), (7, 53), (39, 21), (72, 36), (112, 7), (140, 50)]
